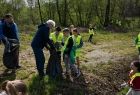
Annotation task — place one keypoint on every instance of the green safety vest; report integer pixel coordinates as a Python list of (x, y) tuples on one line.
[(72, 53), (91, 31), (66, 42), (138, 43), (78, 40), (57, 40)]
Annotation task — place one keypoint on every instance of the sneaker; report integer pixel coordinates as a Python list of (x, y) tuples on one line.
[(78, 74)]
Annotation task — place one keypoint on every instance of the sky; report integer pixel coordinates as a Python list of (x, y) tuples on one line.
[(26, 1)]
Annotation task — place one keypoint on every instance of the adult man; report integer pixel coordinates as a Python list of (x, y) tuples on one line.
[(9, 36), (40, 40), (1, 30)]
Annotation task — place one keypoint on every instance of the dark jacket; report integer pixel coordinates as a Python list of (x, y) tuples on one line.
[(1, 30), (69, 46), (10, 31), (41, 38)]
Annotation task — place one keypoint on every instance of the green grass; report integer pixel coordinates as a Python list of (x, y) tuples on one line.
[(49, 86), (25, 40), (115, 43), (123, 91)]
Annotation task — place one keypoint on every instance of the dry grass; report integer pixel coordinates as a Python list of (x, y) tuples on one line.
[(110, 54)]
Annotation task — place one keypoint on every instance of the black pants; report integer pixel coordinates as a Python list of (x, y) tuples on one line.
[(40, 60), (90, 38)]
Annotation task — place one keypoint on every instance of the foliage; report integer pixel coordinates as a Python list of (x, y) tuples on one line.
[(79, 13)]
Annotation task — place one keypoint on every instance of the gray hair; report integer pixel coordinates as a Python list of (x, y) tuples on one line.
[(51, 22)]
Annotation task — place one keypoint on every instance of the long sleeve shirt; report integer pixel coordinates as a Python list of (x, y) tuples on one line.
[(1, 30), (41, 37), (10, 31)]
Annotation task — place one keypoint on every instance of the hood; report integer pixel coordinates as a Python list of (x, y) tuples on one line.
[(42, 25)]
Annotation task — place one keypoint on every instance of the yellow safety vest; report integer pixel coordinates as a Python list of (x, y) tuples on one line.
[(72, 53), (138, 43), (56, 39), (65, 43), (134, 76), (91, 31), (78, 40)]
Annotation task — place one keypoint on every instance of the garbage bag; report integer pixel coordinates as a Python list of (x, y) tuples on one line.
[(10, 58), (54, 67)]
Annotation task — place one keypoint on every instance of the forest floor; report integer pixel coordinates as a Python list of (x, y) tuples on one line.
[(104, 66)]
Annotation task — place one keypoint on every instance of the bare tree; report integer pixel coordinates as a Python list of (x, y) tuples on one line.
[(107, 14)]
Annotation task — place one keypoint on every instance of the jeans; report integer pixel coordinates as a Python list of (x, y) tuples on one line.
[(40, 60), (69, 66)]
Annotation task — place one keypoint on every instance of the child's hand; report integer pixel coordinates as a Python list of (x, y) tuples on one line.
[(125, 84)]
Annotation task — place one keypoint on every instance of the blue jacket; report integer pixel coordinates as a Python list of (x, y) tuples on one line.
[(1, 30), (41, 38), (8, 30)]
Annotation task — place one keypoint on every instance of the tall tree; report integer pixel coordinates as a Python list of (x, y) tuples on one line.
[(107, 14), (58, 11)]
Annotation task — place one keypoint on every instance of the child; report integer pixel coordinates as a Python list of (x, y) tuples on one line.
[(69, 53), (78, 45), (134, 81), (91, 33), (16, 87), (54, 67), (71, 29), (137, 43)]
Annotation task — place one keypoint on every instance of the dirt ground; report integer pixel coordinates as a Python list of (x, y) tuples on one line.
[(103, 68)]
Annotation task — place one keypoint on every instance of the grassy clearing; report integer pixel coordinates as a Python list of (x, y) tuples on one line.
[(111, 52), (49, 86), (123, 91)]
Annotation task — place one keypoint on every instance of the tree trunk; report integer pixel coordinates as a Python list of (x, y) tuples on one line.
[(80, 15), (58, 11), (49, 10), (98, 13), (65, 13), (107, 14), (71, 20), (32, 16)]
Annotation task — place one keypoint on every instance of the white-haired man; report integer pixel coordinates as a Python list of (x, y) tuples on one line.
[(40, 40)]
